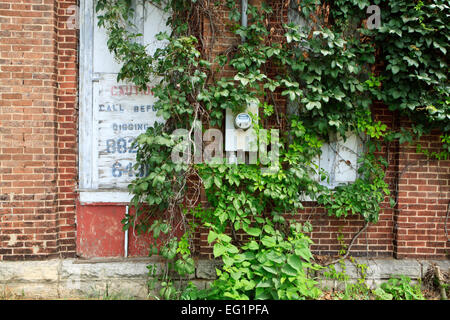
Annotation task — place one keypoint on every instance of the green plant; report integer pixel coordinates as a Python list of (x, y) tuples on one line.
[(399, 288), (358, 290), (363, 197), (443, 154), (275, 267), (325, 71)]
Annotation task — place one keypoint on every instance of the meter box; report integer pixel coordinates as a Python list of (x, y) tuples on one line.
[(243, 121), (239, 131)]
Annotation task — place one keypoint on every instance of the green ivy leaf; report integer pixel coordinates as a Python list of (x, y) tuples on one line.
[(395, 69), (212, 236), (295, 262), (219, 250), (269, 242), (217, 182), (288, 270), (253, 231)]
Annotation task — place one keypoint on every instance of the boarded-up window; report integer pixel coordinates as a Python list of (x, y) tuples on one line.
[(339, 159), (112, 114)]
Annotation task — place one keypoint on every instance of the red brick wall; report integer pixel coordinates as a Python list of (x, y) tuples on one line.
[(38, 156), (423, 200), (38, 81), (67, 130), (414, 228)]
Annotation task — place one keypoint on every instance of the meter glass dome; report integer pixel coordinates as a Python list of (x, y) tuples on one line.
[(243, 121)]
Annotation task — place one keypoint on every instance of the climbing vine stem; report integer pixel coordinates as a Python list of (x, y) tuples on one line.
[(331, 69)]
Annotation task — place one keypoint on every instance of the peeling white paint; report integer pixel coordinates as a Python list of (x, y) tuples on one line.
[(12, 240), (105, 106)]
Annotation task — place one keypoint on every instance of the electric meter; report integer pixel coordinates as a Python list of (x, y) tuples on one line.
[(243, 121)]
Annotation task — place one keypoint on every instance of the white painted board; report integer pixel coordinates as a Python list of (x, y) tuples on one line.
[(112, 114), (339, 159), (121, 114), (238, 139), (149, 21)]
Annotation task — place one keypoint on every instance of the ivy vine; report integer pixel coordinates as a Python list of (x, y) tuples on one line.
[(326, 69)]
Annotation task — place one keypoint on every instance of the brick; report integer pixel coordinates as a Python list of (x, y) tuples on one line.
[(38, 153)]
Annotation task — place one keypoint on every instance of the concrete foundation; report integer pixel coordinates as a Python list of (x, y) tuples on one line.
[(127, 278)]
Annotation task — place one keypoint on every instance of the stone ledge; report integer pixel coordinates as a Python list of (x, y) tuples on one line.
[(72, 278), (383, 269), (117, 269), (206, 269), (380, 270), (29, 271)]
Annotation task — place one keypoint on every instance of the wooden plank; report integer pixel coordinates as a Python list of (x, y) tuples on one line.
[(121, 114), (85, 94), (112, 114)]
